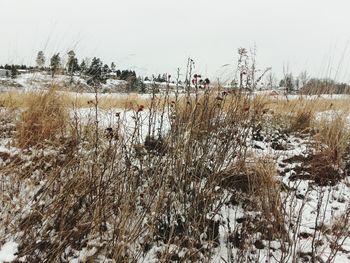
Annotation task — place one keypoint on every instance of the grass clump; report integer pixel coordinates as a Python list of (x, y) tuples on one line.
[(301, 121), (43, 120), (333, 137)]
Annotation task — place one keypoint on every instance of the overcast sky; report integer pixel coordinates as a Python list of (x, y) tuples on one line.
[(157, 36)]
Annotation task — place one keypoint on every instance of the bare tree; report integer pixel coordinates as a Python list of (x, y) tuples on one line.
[(303, 78)]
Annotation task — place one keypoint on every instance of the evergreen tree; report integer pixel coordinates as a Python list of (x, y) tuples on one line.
[(141, 85), (118, 73), (124, 74), (95, 72), (72, 64), (55, 63), (113, 67), (14, 71), (40, 59), (127, 74), (106, 69), (161, 78), (83, 66)]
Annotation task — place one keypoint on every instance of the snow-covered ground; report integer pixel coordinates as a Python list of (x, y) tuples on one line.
[(8, 251), (40, 80), (304, 212), (127, 119)]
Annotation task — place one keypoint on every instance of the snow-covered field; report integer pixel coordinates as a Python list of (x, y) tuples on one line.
[(39, 80)]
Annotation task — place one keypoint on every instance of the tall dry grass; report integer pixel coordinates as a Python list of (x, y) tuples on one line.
[(130, 192), (333, 136), (306, 104), (44, 119), (264, 185), (16, 100), (123, 193)]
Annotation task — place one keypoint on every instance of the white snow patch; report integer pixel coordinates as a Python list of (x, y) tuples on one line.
[(8, 251)]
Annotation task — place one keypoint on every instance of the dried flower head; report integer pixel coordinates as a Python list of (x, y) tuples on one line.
[(140, 108), (109, 133)]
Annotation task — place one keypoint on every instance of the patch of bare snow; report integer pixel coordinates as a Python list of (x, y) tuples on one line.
[(8, 251)]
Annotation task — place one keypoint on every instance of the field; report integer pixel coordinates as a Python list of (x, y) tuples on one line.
[(214, 176)]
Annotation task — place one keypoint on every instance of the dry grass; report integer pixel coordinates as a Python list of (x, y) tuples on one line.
[(301, 121), (281, 105), (123, 101), (128, 191), (44, 118), (265, 187), (333, 137), (131, 193), (15, 99)]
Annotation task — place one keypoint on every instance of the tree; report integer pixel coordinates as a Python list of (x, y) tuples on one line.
[(325, 86), (84, 66), (72, 64), (95, 72), (161, 78), (141, 85), (14, 71), (55, 63), (106, 70), (303, 78), (136, 84), (40, 59), (113, 67), (288, 83), (118, 73), (127, 74), (242, 65), (271, 81)]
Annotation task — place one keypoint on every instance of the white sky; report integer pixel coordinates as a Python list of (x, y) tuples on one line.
[(157, 36)]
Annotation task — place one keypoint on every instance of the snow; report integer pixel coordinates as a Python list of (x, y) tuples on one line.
[(8, 251), (115, 82), (163, 84), (40, 80), (338, 196), (128, 119), (114, 95), (331, 115)]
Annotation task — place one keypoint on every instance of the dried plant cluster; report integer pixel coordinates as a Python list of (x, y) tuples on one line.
[(193, 178)]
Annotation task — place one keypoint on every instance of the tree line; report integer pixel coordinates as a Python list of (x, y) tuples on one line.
[(94, 70), (98, 71)]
